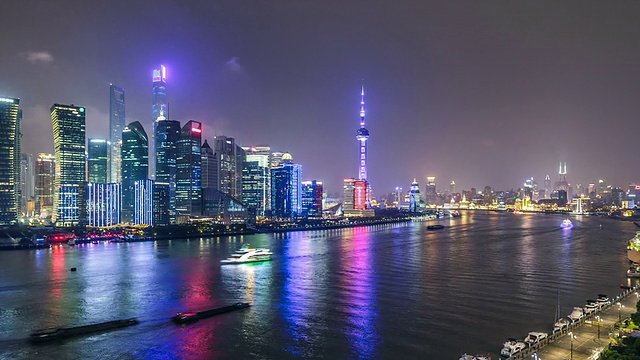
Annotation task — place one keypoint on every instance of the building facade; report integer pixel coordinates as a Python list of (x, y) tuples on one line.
[(189, 168), (117, 120), (10, 197), (256, 183), (167, 134), (68, 122), (98, 160), (103, 204), (230, 161), (286, 189), (312, 199), (143, 202), (27, 185), (135, 166), (45, 185)]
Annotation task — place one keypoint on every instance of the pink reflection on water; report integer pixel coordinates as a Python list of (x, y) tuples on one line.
[(358, 294)]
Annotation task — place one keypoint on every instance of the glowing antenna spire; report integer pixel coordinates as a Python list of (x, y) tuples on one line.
[(362, 107)]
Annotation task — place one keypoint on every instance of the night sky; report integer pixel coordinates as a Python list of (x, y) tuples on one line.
[(480, 92)]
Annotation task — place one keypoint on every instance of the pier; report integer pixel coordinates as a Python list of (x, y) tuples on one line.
[(587, 338)]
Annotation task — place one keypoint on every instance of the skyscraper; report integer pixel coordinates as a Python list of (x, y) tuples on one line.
[(27, 184), (10, 197), (103, 204), (44, 188), (98, 160), (312, 199), (286, 189), (68, 122), (116, 125), (159, 111), (135, 165), (209, 167), (167, 134), (430, 191), (230, 159), (256, 183), (189, 166)]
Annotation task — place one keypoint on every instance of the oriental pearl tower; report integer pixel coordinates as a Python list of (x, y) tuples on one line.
[(362, 135)]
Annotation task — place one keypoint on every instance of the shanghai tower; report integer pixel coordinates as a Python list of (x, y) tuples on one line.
[(159, 109)]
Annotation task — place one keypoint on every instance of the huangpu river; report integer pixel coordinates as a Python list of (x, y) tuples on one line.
[(395, 291)]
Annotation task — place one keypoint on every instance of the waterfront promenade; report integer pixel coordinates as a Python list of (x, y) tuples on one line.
[(588, 338)]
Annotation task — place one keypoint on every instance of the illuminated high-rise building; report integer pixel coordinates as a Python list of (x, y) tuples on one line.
[(355, 198), (68, 122), (209, 167), (10, 197), (44, 184), (256, 180), (230, 160), (97, 160), (159, 111), (103, 204), (189, 166), (286, 189), (312, 199), (143, 200), (27, 185), (116, 125), (135, 166), (562, 183), (167, 134), (547, 186)]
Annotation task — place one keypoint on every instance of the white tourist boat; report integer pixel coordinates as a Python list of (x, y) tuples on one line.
[(561, 324), (252, 256), (535, 337), (566, 224)]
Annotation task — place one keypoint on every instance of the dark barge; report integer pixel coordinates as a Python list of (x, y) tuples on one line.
[(61, 333), (189, 317)]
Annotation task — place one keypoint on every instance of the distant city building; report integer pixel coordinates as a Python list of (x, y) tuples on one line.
[(222, 208), (562, 183), (98, 160), (159, 111), (230, 161), (10, 197), (286, 189), (117, 121), (68, 122), (312, 199), (430, 191), (355, 198), (547, 186), (452, 187), (27, 185), (189, 166), (209, 167), (256, 181), (143, 202), (275, 159), (414, 196), (103, 204), (167, 134), (135, 166), (45, 184)]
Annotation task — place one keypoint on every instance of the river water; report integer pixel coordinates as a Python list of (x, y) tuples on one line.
[(395, 291)]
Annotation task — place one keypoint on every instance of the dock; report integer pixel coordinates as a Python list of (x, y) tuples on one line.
[(585, 339)]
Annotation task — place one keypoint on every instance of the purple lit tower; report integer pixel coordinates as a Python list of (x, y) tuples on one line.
[(363, 135)]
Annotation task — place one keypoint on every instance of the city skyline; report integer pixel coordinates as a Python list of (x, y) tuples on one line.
[(499, 95)]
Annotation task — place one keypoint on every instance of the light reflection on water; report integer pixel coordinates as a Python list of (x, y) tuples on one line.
[(387, 291)]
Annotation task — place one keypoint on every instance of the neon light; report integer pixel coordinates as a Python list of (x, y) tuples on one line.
[(196, 130), (7, 100), (164, 72)]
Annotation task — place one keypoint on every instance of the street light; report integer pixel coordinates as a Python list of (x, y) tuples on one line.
[(619, 312), (571, 336)]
